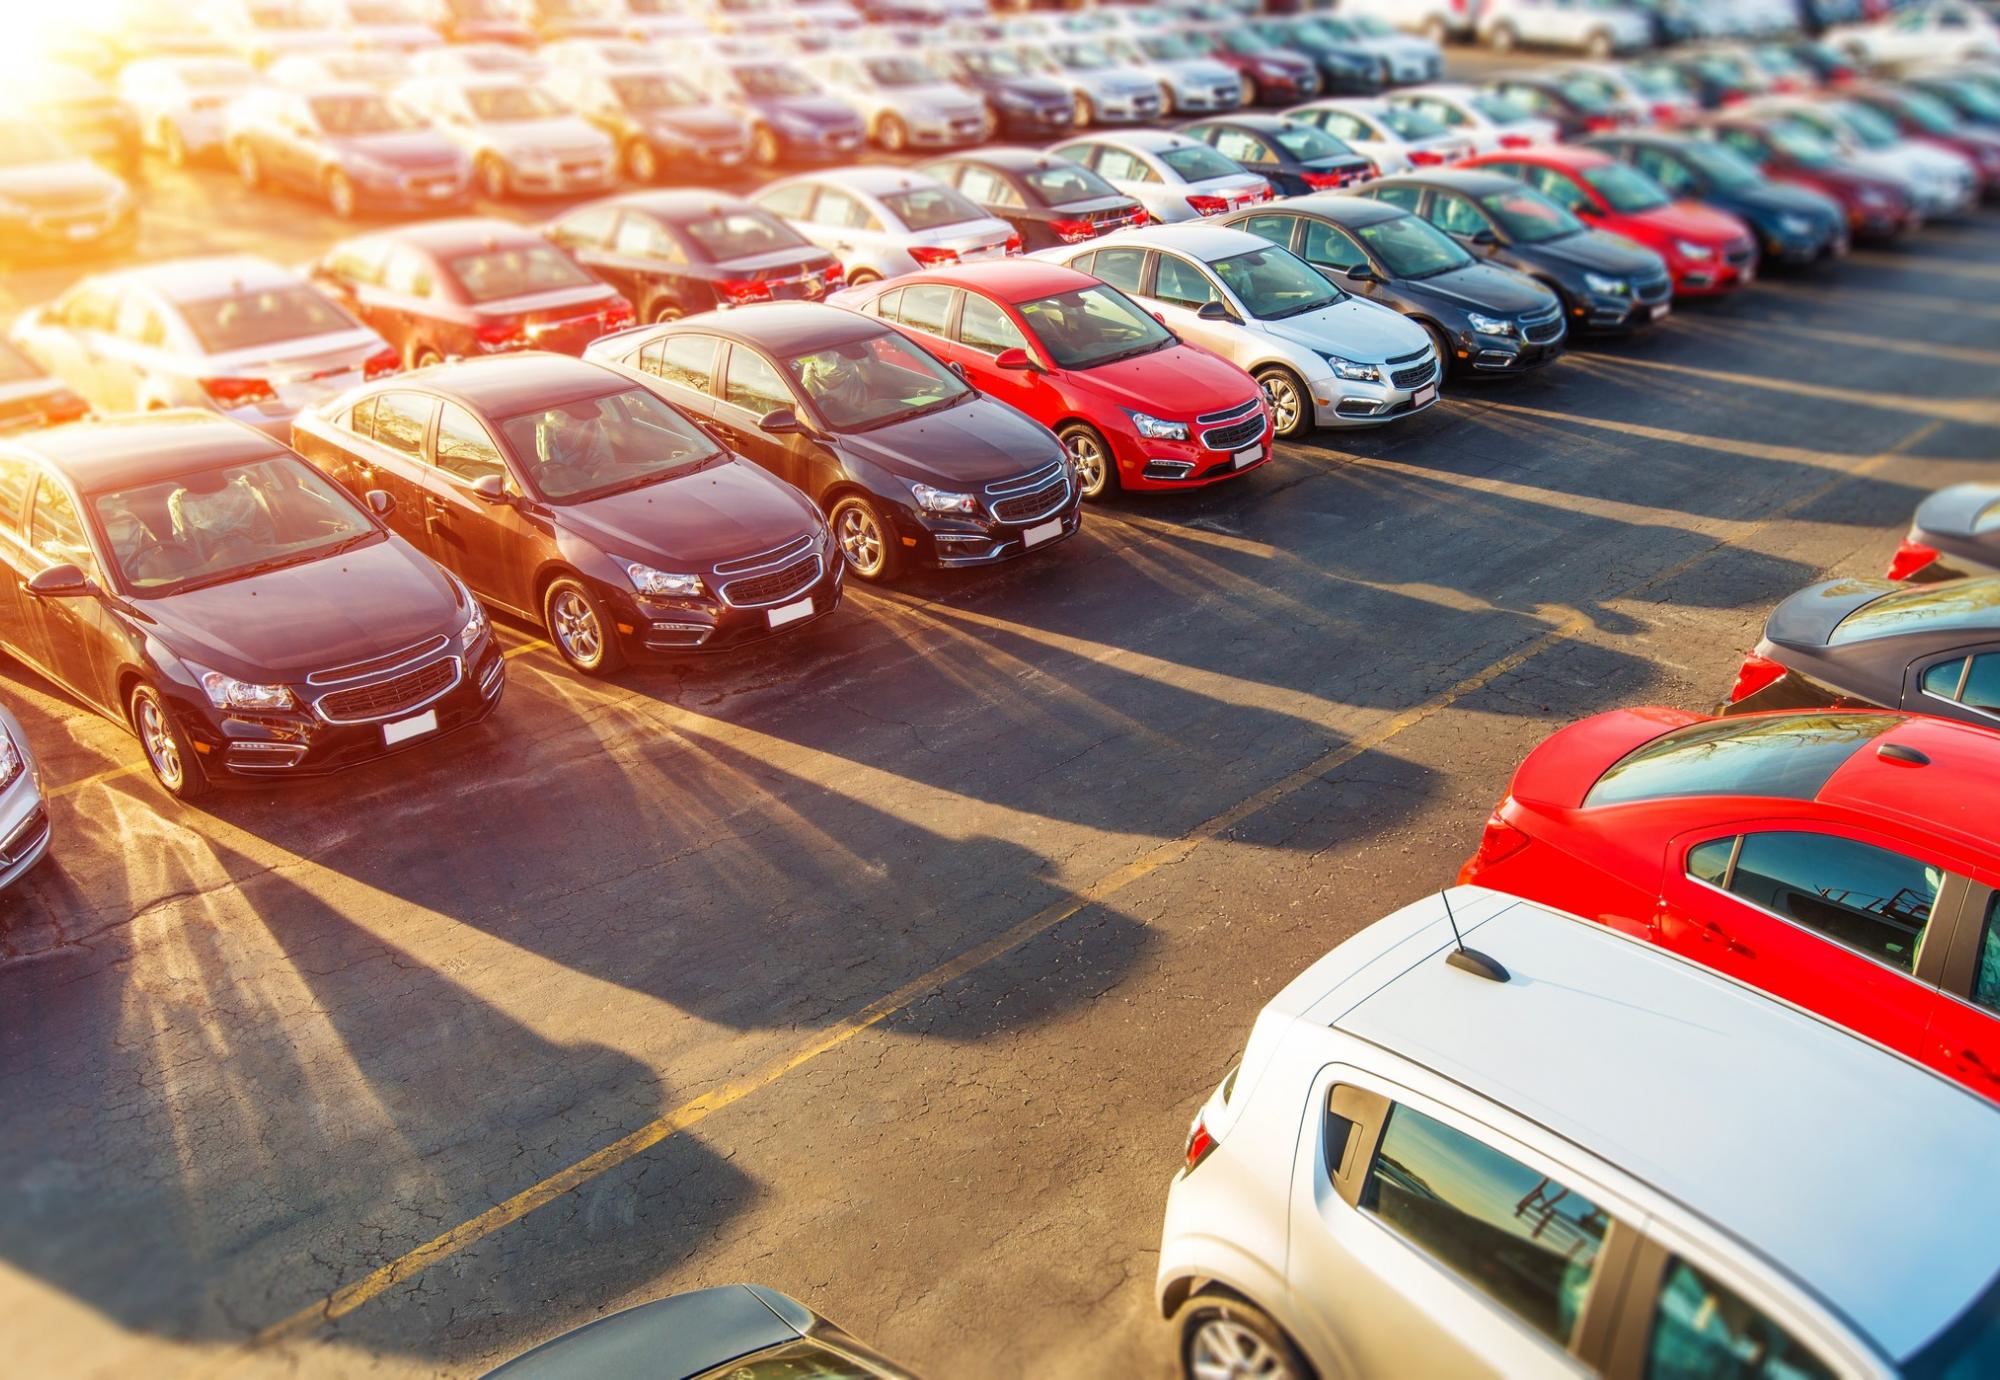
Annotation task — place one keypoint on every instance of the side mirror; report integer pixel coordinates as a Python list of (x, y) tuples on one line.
[(958, 369), (380, 502), (1362, 273), (1484, 237), (781, 422), (1013, 357), (488, 488), (61, 582), (1214, 311)]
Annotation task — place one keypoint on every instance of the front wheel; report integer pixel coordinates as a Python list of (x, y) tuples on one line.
[(1502, 38), (1599, 46), (1096, 471), (1249, 85), (168, 750), (1086, 113), (892, 134), (1291, 408), (173, 146), (642, 164), (1447, 360), (1224, 1338), (764, 148), (248, 170), (861, 277), (867, 541), (493, 179), (580, 628), (340, 197), (665, 310)]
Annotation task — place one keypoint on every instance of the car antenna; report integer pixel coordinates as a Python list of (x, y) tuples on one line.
[(1471, 960)]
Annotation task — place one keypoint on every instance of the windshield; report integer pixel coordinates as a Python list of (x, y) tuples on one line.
[(597, 446), (223, 524), (1085, 57), (1588, 92), (774, 79), (492, 274), (359, 114), (1092, 326), (739, 234), (981, 63), (14, 366), (873, 382), (271, 316), (1247, 42), (1625, 188), (1410, 122), (1787, 756), (1870, 127), (1411, 247), (1729, 170), (1373, 27), (1059, 186), (1273, 283), (1528, 217), (927, 208), (502, 104), (1929, 112), (21, 142), (1953, 606), (1498, 108), (1195, 162), (654, 91), (899, 70), (1803, 144), (1970, 1344)]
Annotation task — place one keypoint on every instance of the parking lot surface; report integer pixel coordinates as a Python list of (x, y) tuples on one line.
[(886, 964)]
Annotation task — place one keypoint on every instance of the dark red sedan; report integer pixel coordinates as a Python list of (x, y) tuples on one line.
[(1787, 151), (465, 288), (1847, 862)]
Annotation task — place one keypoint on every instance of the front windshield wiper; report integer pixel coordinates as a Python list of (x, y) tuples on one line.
[(940, 405), (263, 567), (1303, 308), (1153, 347)]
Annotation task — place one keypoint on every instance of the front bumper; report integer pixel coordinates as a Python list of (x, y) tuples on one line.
[(1049, 121), (1501, 354), (937, 132), (820, 146), (1795, 250), (1126, 108), (1209, 458), (654, 628), (1344, 403), (57, 234), (24, 824), (563, 177), (1601, 314), (1207, 100), (1716, 276), (454, 194), (952, 540)]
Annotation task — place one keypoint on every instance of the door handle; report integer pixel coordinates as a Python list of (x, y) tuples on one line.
[(1711, 930), (1986, 1070)]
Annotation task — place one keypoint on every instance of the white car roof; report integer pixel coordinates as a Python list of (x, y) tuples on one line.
[(1136, 140), (869, 179), (197, 279), (1205, 242), (1866, 1177)]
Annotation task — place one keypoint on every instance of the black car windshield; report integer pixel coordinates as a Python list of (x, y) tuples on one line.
[(1498, 108), (223, 524), (899, 69), (1625, 187), (1273, 283), (1949, 607), (596, 446), (1410, 122), (1198, 162), (1726, 169), (21, 142), (654, 91), (492, 274), (1411, 247), (1092, 326), (767, 80), (269, 316), (1059, 185), (1310, 143), (928, 208), (506, 104), (1528, 217), (871, 382), (360, 113), (1786, 757), (1970, 1343), (740, 234)]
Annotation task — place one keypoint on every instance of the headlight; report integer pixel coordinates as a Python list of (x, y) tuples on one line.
[(12, 763), (227, 692), (1489, 325), (1356, 373), (1687, 249), (475, 623), (1609, 287), (1153, 429), (1872, 196), (938, 501), (647, 580), (1795, 225)]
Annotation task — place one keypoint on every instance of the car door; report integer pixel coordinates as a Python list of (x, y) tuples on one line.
[(1964, 1035), (843, 224), (291, 143), (1278, 227), (388, 454), (68, 637), (1686, 1316), (1458, 217), (983, 330), (491, 546), (751, 387), (71, 340), (1180, 289), (927, 310), (17, 565), (684, 364)]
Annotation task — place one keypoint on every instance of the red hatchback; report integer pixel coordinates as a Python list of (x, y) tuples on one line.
[(465, 288), (1846, 862), (1706, 250), (1135, 405)]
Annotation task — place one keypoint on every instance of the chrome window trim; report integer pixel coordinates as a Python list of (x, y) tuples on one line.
[(1821, 935)]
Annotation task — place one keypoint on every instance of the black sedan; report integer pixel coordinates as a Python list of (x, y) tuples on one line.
[(907, 461), (1049, 201), (351, 145), (659, 122), (190, 578), (1024, 105), (1793, 225), (680, 252), (1956, 532), (1605, 282), (1293, 156), (792, 117), (568, 495), (1485, 319), (1929, 649)]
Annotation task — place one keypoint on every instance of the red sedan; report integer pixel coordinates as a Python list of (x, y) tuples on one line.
[(1137, 407), (1847, 862), (1706, 250)]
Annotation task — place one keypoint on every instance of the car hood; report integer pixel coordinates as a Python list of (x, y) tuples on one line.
[(72, 182), (559, 134), (707, 122), (715, 513), (274, 627), (1202, 382), (1690, 220), (821, 112), (1481, 288), (1777, 198), (1354, 329), (941, 99), (1041, 90), (408, 148), (1197, 70), (1110, 83), (1809, 617), (1601, 252), (965, 446)]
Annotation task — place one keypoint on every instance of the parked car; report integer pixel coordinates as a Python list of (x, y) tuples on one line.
[(262, 31), (1404, 59), (1024, 104), (1324, 357), (1875, 205), (1963, 96), (1707, 251), (1715, 79), (904, 100), (1655, 91), (1792, 224), (1606, 282), (24, 813), (909, 462), (1103, 90), (1942, 184), (1394, 138), (883, 221), (384, 69), (466, 23), (349, 145), (387, 26), (181, 103), (30, 399), (1293, 156), (1048, 200), (470, 287), (1172, 176), (83, 112), (1191, 81), (1347, 66), (739, 1326), (1956, 532), (1927, 31), (1488, 119), (1437, 20), (1598, 30), (792, 117), (194, 580), (1482, 318), (1922, 117), (552, 21), (1136, 407), (483, 59), (1576, 106), (1268, 74), (521, 140), (661, 125), (1396, 1179), (232, 333), (54, 202)]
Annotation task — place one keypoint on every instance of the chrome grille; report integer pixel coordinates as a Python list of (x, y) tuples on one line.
[(1228, 414), (1235, 436), (1410, 358), (1653, 289), (757, 560), (775, 587), (385, 699), (1033, 479), (1416, 377), (1032, 497), (1539, 330), (388, 661)]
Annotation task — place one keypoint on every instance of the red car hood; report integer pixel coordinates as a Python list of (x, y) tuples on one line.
[(1199, 382), (1682, 220), (1562, 770)]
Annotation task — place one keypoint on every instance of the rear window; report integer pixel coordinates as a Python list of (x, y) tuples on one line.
[(1934, 608), (1058, 186), (1784, 757), (740, 234), (497, 273), (267, 317), (927, 208)]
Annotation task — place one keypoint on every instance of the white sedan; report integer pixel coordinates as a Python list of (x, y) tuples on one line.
[(1397, 138), (1933, 32), (1487, 118), (1174, 177), (883, 221)]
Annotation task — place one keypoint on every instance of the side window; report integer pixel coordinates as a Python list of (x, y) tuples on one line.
[(791, 202), (641, 237), (1526, 1241), (983, 326), (139, 323), (988, 189), (836, 208), (1668, 172), (1341, 125), (1558, 188), (400, 421), (1330, 247), (1124, 269), (926, 307), (889, 305), (753, 385), (361, 419), (91, 309), (1972, 681), (688, 360), (1709, 862), (1705, 1331), (408, 273), (1869, 899), (1532, 97), (589, 228), (1455, 215), (1116, 165), (1745, 143), (1986, 979), (1405, 197), (1232, 143), (1181, 283), (362, 265), (463, 447), (57, 531), (1439, 111), (15, 477), (1276, 229)]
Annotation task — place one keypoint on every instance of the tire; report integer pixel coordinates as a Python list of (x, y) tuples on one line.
[(168, 750), (642, 164), (580, 628), (491, 175), (340, 195), (1436, 31), (424, 356), (867, 542), (1447, 356), (248, 170), (1086, 113), (173, 147), (1096, 469), (1249, 85), (1289, 419), (663, 311), (861, 277), (1502, 38), (765, 150), (892, 134), (1221, 1335)]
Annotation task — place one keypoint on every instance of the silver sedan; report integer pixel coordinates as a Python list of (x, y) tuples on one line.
[(24, 815), (1172, 176), (882, 221)]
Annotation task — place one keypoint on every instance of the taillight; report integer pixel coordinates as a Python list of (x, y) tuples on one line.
[(1200, 1144), (1757, 672), (501, 335), (381, 365), (1014, 245), (1516, 141), (1735, 97), (619, 315), (834, 273), (1600, 124), (1262, 193), (737, 291), (1207, 205), (1666, 112), (1073, 231), (1325, 181), (237, 392), (1910, 557), (64, 407), (1426, 158), (929, 256), (1498, 841)]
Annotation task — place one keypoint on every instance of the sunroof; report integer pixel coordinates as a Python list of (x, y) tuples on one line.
[(1785, 756)]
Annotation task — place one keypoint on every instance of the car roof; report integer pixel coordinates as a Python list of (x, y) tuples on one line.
[(1956, 793), (141, 447), (870, 179), (786, 327), (1471, 181), (505, 385), (1767, 1121), (460, 234), (1010, 280), (1007, 158), (1342, 210), (1145, 140), (678, 1336), (1205, 242), (197, 279), (1257, 124), (675, 203)]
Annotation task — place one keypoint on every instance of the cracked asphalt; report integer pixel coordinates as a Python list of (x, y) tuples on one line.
[(915, 939)]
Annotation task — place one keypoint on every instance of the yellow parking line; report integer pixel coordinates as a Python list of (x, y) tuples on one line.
[(69, 788)]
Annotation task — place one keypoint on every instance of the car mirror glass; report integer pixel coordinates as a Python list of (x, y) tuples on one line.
[(63, 581), (380, 502)]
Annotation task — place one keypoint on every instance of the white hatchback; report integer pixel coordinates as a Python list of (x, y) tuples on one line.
[(1593, 1158)]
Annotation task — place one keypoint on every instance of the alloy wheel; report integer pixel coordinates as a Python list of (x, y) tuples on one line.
[(1225, 1349), (1287, 407), (891, 134), (665, 312), (340, 195), (172, 146), (861, 539), (247, 169), (764, 147), (493, 178), (641, 162), (1092, 465), (1249, 89), (158, 740), (574, 623)]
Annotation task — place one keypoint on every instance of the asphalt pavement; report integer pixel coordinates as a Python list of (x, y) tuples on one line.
[(885, 964)]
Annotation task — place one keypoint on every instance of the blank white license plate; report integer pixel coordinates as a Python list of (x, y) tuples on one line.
[(403, 730), (1249, 456), (1035, 536), (1661, 309), (791, 613), (1424, 396)]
